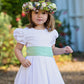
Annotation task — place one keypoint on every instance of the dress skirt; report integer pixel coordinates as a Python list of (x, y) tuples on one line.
[(43, 70)]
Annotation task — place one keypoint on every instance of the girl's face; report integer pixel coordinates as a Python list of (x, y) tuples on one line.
[(39, 17)]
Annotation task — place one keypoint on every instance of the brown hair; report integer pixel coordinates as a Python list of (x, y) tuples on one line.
[(49, 24)]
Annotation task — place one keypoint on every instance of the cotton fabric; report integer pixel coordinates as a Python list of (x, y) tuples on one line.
[(43, 69)]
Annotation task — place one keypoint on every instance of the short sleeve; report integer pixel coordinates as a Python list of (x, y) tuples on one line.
[(19, 35), (55, 36)]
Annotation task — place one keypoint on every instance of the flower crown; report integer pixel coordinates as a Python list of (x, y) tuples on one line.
[(42, 5)]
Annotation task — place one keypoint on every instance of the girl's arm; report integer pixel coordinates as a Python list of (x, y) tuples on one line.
[(18, 52), (58, 51), (19, 55)]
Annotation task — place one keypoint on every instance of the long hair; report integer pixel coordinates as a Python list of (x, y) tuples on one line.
[(49, 24)]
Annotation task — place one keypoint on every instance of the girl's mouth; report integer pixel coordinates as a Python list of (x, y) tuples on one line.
[(39, 19)]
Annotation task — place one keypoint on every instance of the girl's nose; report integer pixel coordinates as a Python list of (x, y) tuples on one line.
[(39, 14)]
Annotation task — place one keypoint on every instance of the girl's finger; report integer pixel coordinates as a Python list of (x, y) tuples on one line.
[(70, 50), (24, 65), (29, 62)]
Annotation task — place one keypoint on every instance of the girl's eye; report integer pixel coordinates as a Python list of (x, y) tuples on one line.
[(43, 12), (36, 12)]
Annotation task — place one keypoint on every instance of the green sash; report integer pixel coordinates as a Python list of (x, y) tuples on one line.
[(39, 51)]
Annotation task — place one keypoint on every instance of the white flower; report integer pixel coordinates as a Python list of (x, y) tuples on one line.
[(44, 4), (53, 5), (34, 8), (37, 3), (41, 7), (30, 5), (24, 5)]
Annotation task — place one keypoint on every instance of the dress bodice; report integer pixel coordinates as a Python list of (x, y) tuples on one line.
[(35, 37)]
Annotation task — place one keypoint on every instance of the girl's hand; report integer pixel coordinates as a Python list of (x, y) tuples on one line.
[(26, 63), (68, 49)]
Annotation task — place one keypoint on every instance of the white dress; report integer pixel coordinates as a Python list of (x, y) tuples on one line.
[(43, 69)]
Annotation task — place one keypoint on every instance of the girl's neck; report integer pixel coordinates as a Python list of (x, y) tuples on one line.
[(40, 27)]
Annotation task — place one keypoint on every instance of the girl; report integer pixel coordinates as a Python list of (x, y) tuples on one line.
[(39, 66)]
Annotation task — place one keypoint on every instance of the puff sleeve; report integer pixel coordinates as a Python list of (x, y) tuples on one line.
[(55, 36), (19, 35)]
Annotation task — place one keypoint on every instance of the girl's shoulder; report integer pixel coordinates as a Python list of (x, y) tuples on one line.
[(54, 30), (20, 30), (55, 33), (19, 35)]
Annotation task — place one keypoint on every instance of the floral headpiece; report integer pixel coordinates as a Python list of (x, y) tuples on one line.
[(42, 5)]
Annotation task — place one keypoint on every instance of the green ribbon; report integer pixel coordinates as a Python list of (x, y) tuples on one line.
[(39, 51)]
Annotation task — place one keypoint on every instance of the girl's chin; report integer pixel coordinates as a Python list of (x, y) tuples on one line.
[(39, 23)]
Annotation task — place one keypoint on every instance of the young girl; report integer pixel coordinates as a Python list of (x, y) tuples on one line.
[(39, 66)]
